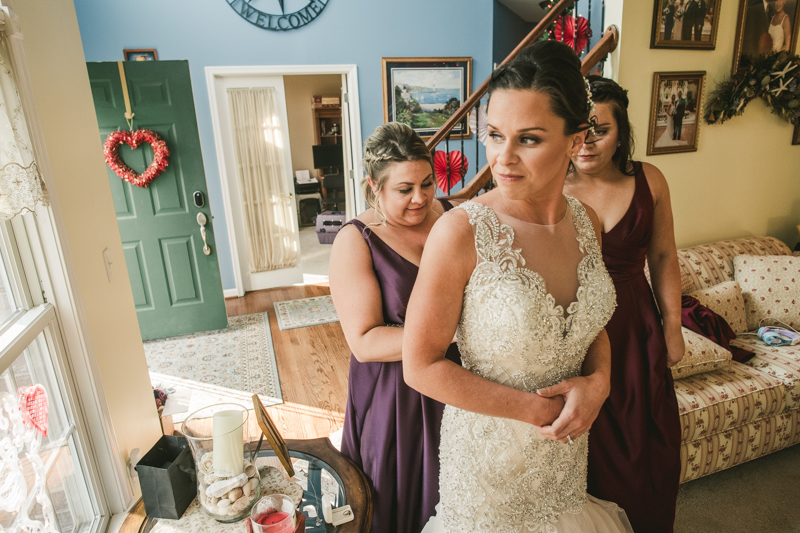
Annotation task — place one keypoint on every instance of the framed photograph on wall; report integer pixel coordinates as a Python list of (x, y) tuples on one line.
[(764, 27), (140, 54), (675, 112), (688, 24), (424, 92)]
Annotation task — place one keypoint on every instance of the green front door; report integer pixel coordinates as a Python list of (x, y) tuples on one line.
[(176, 287)]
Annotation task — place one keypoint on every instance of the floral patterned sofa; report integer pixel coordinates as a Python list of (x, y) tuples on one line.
[(738, 412)]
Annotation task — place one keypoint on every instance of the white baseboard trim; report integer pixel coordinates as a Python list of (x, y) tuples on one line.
[(230, 293)]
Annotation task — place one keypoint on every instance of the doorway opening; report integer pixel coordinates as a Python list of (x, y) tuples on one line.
[(315, 133), (321, 156)]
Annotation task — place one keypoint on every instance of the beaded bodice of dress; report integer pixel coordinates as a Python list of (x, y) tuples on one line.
[(500, 474)]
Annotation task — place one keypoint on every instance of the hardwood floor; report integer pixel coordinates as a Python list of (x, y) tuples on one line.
[(313, 364)]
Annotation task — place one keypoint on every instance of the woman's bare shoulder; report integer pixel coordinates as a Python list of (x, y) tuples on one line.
[(655, 180)]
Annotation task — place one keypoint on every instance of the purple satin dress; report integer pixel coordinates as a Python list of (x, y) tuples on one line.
[(634, 445), (392, 431)]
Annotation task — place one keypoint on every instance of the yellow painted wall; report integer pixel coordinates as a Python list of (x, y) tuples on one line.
[(63, 96), (745, 177), (299, 90)]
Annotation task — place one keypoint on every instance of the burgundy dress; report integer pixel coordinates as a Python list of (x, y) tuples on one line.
[(634, 445), (392, 431)]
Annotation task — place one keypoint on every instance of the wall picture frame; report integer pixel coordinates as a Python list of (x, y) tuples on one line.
[(685, 24), (796, 134), (424, 92), (140, 54), (675, 112), (753, 34)]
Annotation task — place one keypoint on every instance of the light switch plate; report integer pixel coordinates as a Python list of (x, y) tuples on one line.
[(109, 268)]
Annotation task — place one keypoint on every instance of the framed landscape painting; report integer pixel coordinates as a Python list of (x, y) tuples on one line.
[(675, 112), (140, 54), (424, 92)]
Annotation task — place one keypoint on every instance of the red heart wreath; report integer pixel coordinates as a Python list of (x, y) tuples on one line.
[(134, 139)]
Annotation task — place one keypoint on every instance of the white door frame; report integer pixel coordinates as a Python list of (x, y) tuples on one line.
[(213, 73)]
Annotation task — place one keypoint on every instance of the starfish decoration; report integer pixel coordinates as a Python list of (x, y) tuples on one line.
[(786, 69), (283, 11), (784, 86)]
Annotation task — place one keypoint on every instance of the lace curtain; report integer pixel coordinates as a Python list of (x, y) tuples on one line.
[(21, 185), (266, 202)]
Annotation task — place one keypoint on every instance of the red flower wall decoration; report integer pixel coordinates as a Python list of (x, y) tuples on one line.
[(576, 39), (458, 168)]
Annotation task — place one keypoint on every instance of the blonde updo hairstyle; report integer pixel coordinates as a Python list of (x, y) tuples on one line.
[(394, 142)]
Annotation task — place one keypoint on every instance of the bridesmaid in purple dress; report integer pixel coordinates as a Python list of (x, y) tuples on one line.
[(634, 444), (390, 430)]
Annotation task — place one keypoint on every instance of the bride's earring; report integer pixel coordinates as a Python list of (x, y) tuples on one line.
[(619, 144)]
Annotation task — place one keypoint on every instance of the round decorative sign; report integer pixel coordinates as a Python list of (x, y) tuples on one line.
[(258, 12)]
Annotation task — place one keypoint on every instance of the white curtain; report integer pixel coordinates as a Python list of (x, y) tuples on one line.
[(21, 185), (266, 200)]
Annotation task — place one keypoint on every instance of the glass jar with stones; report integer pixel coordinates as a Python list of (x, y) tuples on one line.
[(228, 483)]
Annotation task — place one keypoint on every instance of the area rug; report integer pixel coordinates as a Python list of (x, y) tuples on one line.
[(223, 365), (305, 312)]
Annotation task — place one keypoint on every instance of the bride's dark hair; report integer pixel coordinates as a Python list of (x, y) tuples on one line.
[(551, 68), (605, 91)]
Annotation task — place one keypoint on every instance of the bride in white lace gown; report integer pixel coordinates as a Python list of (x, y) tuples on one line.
[(666, 137), (518, 273)]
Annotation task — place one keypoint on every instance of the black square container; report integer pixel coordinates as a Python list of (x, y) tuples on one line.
[(167, 477)]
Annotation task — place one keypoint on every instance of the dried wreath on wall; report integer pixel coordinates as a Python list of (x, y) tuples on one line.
[(773, 78)]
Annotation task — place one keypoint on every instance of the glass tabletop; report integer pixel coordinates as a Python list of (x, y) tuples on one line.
[(317, 478)]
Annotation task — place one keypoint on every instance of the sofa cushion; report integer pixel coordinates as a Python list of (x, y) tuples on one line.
[(687, 285), (726, 398), (783, 362), (771, 289), (725, 300), (701, 355), (738, 445), (711, 264)]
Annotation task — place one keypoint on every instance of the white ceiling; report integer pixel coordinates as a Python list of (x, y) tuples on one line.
[(528, 10)]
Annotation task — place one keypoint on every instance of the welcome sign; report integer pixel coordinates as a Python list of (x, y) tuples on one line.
[(273, 21)]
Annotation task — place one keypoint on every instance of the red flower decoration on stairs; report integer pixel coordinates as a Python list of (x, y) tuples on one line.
[(134, 139), (458, 168), (577, 40)]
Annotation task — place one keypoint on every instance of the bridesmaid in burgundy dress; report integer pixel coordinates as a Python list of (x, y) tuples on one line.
[(634, 444), (390, 430)]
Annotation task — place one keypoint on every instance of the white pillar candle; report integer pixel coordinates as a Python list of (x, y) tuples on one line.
[(228, 444)]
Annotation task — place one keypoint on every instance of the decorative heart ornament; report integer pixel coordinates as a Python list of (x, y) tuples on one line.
[(33, 406), (134, 139), (458, 166)]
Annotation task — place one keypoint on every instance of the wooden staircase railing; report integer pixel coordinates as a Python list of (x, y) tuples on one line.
[(606, 45)]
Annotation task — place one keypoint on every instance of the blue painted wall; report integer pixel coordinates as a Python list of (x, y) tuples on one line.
[(210, 33), (509, 30)]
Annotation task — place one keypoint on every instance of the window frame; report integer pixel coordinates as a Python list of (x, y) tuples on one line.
[(45, 258), (35, 326)]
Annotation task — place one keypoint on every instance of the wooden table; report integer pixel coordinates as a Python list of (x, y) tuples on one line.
[(354, 484)]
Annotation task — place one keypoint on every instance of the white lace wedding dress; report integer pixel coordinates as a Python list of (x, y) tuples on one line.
[(500, 475), (666, 137)]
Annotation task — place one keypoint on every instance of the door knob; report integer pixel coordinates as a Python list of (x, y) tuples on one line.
[(201, 219)]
